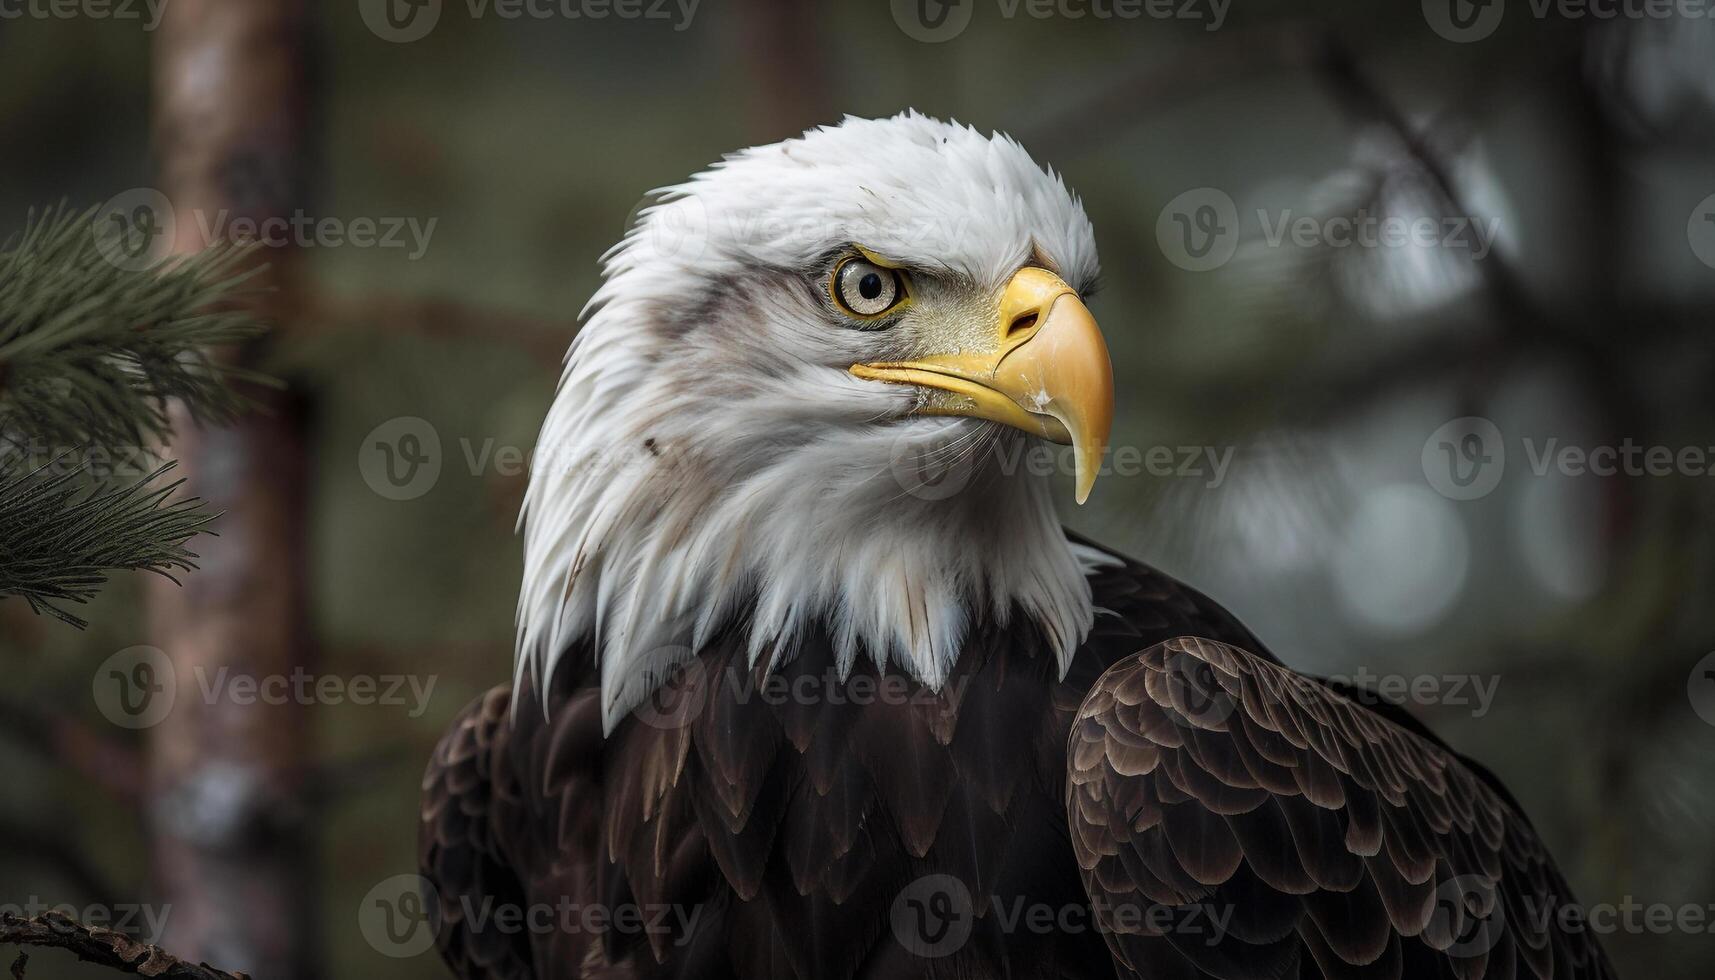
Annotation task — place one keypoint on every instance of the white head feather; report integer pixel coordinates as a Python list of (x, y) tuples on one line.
[(708, 455)]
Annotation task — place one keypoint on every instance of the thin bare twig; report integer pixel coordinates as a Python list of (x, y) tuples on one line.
[(1523, 321)]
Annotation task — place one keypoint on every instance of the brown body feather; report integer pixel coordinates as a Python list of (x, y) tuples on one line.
[(1333, 842), (789, 826)]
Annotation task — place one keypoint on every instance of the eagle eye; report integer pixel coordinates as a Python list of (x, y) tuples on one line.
[(866, 290)]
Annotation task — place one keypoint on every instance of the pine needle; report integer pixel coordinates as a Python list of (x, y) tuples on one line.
[(91, 353), (61, 535)]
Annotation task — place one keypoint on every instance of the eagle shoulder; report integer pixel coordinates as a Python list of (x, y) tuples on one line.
[(1231, 818), (460, 854)]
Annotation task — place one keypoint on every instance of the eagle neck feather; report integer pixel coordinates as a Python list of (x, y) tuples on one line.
[(645, 536)]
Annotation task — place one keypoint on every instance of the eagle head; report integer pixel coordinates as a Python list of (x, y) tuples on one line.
[(774, 342)]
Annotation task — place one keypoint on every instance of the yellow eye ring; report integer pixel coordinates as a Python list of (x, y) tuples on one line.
[(866, 289)]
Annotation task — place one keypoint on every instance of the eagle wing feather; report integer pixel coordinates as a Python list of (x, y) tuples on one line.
[(1233, 819)]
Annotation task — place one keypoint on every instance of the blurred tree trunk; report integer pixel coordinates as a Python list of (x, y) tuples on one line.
[(786, 59), (233, 852)]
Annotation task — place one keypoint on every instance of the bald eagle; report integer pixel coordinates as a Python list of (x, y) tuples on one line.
[(779, 713)]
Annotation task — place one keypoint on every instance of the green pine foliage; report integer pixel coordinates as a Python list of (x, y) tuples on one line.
[(91, 352), (61, 532)]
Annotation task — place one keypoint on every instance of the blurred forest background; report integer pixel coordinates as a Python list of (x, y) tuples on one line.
[(1334, 375)]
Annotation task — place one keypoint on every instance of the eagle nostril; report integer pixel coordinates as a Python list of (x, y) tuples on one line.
[(1021, 323)]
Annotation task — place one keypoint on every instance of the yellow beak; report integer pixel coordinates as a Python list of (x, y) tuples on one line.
[(1048, 374)]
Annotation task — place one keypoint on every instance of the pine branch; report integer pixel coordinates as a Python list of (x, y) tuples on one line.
[(91, 349), (94, 944), (61, 535)]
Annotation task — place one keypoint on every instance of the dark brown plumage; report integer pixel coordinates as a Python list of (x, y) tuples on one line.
[(1336, 844), (833, 835)]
